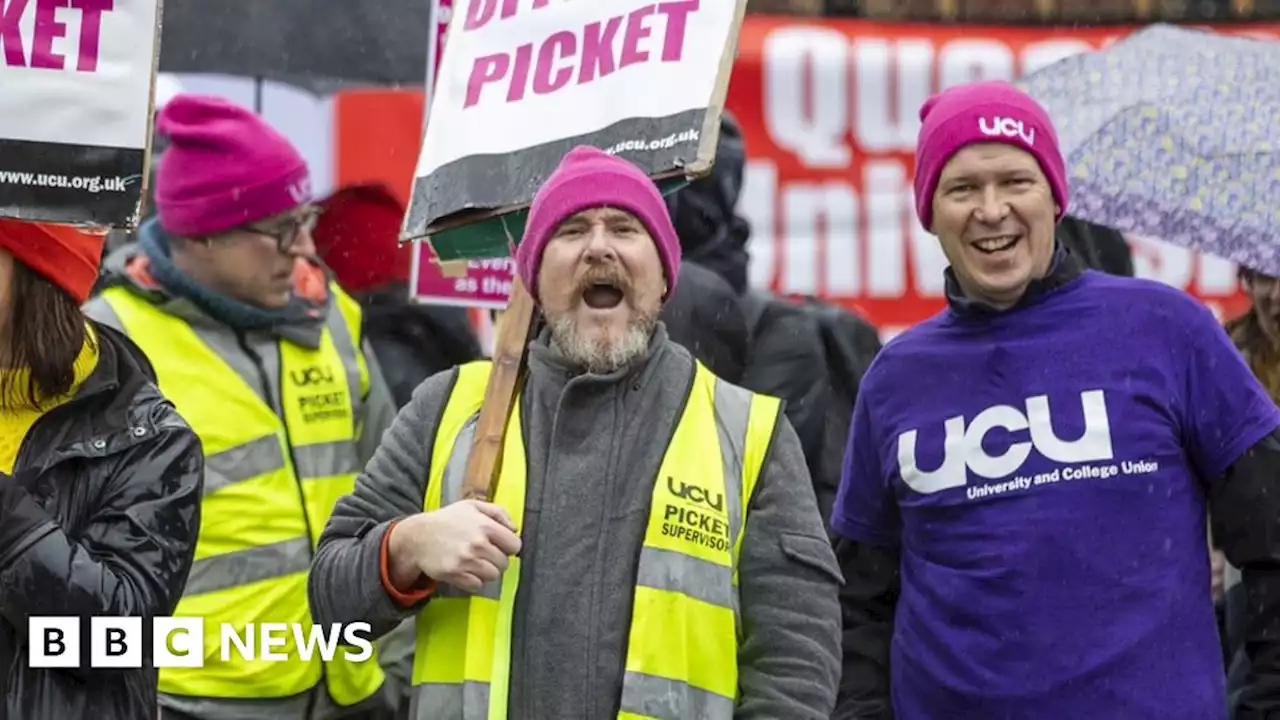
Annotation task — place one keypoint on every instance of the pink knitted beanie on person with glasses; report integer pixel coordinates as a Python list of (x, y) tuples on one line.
[(224, 168)]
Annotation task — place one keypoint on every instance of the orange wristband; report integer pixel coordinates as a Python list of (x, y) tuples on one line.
[(408, 597)]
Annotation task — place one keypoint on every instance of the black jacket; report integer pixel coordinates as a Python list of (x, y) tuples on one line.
[(1244, 508), (704, 316), (712, 233), (99, 519), (786, 359), (414, 342), (783, 350), (1098, 246)]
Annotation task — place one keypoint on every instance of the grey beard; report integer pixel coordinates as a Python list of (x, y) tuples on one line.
[(601, 357)]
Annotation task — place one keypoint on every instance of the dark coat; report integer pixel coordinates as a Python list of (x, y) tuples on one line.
[(1098, 246), (704, 316), (414, 342), (99, 519)]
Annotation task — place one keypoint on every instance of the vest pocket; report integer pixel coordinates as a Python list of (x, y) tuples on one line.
[(812, 552)]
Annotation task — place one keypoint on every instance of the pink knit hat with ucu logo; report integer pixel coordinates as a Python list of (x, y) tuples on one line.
[(983, 112), (590, 178), (224, 168)]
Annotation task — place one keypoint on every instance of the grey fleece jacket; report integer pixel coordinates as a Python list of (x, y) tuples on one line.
[(592, 460)]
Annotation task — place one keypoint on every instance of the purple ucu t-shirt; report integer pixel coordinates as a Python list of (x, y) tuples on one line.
[(1045, 473)]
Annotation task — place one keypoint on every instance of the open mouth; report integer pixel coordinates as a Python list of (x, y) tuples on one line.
[(602, 295), (998, 244)]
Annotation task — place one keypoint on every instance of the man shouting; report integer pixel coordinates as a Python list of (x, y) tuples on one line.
[(654, 549)]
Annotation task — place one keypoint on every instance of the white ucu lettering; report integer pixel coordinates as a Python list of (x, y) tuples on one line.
[(1007, 127), (962, 449), (301, 190)]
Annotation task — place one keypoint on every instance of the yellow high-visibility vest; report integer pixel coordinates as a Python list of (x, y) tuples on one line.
[(682, 652), (270, 486)]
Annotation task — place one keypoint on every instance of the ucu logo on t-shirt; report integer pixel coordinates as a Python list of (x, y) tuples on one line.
[(1007, 127), (963, 451)]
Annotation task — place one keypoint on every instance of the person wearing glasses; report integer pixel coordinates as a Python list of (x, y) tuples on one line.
[(264, 355)]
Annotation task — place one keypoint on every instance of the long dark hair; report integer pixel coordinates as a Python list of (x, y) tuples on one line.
[(46, 335), (1262, 356)]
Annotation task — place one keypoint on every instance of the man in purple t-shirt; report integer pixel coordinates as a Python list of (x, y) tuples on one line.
[(1021, 519)]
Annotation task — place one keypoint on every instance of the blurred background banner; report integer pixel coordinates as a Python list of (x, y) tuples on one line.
[(1030, 12), (828, 113)]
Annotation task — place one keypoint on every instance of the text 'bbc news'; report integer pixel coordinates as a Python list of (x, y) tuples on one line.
[(118, 642)]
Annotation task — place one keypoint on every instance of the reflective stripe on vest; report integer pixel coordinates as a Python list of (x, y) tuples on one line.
[(270, 487), (685, 628)]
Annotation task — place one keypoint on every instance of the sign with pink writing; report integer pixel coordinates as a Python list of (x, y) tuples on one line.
[(75, 108), (486, 283), (524, 81), (441, 14)]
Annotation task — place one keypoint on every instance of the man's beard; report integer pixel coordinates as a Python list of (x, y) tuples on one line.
[(602, 356)]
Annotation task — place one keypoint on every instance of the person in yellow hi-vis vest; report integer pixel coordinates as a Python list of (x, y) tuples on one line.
[(654, 549), (264, 356)]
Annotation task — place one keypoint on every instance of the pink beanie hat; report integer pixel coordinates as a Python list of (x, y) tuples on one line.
[(589, 178), (224, 167), (983, 112)]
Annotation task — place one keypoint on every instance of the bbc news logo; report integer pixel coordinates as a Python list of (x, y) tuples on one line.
[(178, 642)]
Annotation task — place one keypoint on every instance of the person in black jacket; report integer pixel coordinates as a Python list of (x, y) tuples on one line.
[(705, 316), (1097, 246), (784, 351), (100, 480)]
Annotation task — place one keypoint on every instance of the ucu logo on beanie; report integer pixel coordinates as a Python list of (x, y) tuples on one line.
[(1006, 127), (984, 112), (300, 191)]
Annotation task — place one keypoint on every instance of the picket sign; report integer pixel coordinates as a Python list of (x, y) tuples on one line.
[(519, 85), (75, 112)]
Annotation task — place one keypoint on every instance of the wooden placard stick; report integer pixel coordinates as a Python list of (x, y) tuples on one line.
[(507, 375)]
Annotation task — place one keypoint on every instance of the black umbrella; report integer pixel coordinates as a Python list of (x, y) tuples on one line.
[(382, 42)]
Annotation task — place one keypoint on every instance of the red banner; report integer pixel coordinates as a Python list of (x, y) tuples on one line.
[(829, 115), (828, 109)]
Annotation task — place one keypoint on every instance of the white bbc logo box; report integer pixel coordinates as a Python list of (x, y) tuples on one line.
[(115, 642)]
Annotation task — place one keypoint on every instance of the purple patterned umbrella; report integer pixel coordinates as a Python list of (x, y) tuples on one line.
[(1174, 133)]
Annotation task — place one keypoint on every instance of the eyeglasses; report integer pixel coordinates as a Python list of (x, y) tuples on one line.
[(285, 232)]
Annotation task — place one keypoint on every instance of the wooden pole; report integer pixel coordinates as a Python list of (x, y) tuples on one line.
[(510, 346)]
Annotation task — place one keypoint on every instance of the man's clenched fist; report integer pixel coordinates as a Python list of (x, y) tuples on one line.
[(464, 545)]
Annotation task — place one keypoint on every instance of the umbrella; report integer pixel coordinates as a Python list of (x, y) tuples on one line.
[(382, 42), (1174, 133)]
